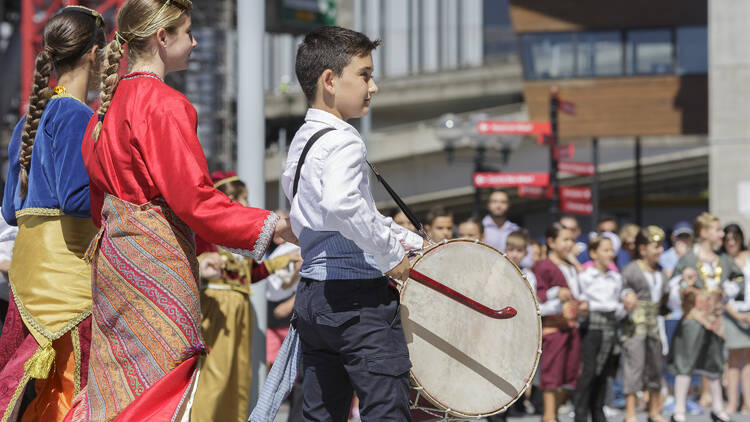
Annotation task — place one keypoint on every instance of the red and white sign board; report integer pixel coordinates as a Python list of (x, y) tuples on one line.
[(499, 127), (567, 107), (580, 168), (577, 207), (535, 191), (500, 180), (565, 151), (575, 193)]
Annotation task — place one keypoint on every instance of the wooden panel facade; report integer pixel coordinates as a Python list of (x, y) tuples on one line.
[(626, 106), (576, 15)]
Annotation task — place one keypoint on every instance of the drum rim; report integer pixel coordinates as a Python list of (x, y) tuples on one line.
[(415, 381)]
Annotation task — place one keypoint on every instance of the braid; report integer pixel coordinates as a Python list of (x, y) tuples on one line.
[(110, 76), (40, 93)]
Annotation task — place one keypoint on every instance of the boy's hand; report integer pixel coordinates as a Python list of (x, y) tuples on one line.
[(284, 230), (564, 294), (401, 271)]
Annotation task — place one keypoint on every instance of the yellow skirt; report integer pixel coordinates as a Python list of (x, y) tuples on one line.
[(223, 392), (51, 282)]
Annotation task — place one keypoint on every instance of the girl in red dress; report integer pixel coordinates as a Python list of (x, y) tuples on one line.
[(150, 194)]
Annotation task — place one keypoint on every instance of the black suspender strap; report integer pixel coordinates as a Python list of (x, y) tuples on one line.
[(305, 150)]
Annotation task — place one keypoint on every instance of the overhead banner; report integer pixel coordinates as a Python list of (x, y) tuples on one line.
[(499, 127), (575, 193), (577, 207), (501, 180), (580, 168)]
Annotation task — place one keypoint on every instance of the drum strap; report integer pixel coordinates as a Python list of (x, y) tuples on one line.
[(305, 150), (402, 206)]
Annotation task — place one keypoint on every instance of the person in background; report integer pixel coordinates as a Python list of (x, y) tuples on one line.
[(682, 242), (606, 223), (627, 248), (557, 282), (646, 290), (737, 325), (402, 220), (223, 391), (581, 247), (698, 342), (7, 239), (538, 252), (497, 227), (439, 224), (602, 288), (471, 229)]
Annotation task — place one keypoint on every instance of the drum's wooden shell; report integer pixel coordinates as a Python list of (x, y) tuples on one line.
[(464, 361)]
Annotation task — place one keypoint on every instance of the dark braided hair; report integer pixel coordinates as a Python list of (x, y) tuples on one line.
[(68, 36)]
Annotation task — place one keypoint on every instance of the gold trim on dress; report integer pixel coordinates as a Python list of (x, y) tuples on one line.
[(43, 212), (75, 336)]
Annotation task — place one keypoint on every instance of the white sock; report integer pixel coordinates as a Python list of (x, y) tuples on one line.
[(714, 386), (681, 387)]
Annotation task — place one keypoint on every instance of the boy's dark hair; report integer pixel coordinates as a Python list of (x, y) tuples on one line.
[(328, 47), (606, 217), (437, 211)]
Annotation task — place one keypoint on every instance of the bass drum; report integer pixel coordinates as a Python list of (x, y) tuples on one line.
[(466, 364)]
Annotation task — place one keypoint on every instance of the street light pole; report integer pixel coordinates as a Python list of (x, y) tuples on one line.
[(554, 103), (478, 166)]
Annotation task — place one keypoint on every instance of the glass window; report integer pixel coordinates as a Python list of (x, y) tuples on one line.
[(599, 54), (548, 56), (692, 50), (650, 51)]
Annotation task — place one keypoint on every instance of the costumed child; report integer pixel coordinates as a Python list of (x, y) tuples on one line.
[(347, 314), (151, 194), (223, 392), (698, 342), (601, 286), (47, 332), (557, 283), (641, 342)]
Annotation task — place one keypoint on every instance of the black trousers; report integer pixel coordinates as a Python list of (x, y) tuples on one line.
[(352, 340), (591, 389)]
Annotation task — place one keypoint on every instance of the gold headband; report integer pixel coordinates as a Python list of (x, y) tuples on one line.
[(182, 4), (121, 38), (225, 181), (91, 12), (655, 234)]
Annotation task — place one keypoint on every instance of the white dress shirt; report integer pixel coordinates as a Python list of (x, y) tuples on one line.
[(334, 192), (602, 291)]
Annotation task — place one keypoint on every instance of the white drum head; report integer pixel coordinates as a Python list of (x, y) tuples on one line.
[(464, 362)]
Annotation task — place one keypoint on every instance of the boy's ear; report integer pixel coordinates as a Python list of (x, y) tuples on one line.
[(326, 80)]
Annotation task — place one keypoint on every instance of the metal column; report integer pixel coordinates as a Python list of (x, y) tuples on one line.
[(251, 152)]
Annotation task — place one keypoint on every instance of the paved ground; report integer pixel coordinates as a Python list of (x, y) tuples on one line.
[(282, 417)]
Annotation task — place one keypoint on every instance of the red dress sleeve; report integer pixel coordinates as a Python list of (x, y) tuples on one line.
[(177, 166), (547, 276)]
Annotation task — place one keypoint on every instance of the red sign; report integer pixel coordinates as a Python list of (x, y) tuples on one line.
[(500, 180), (566, 107), (535, 191), (565, 151), (498, 127), (580, 168), (577, 207), (575, 193)]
